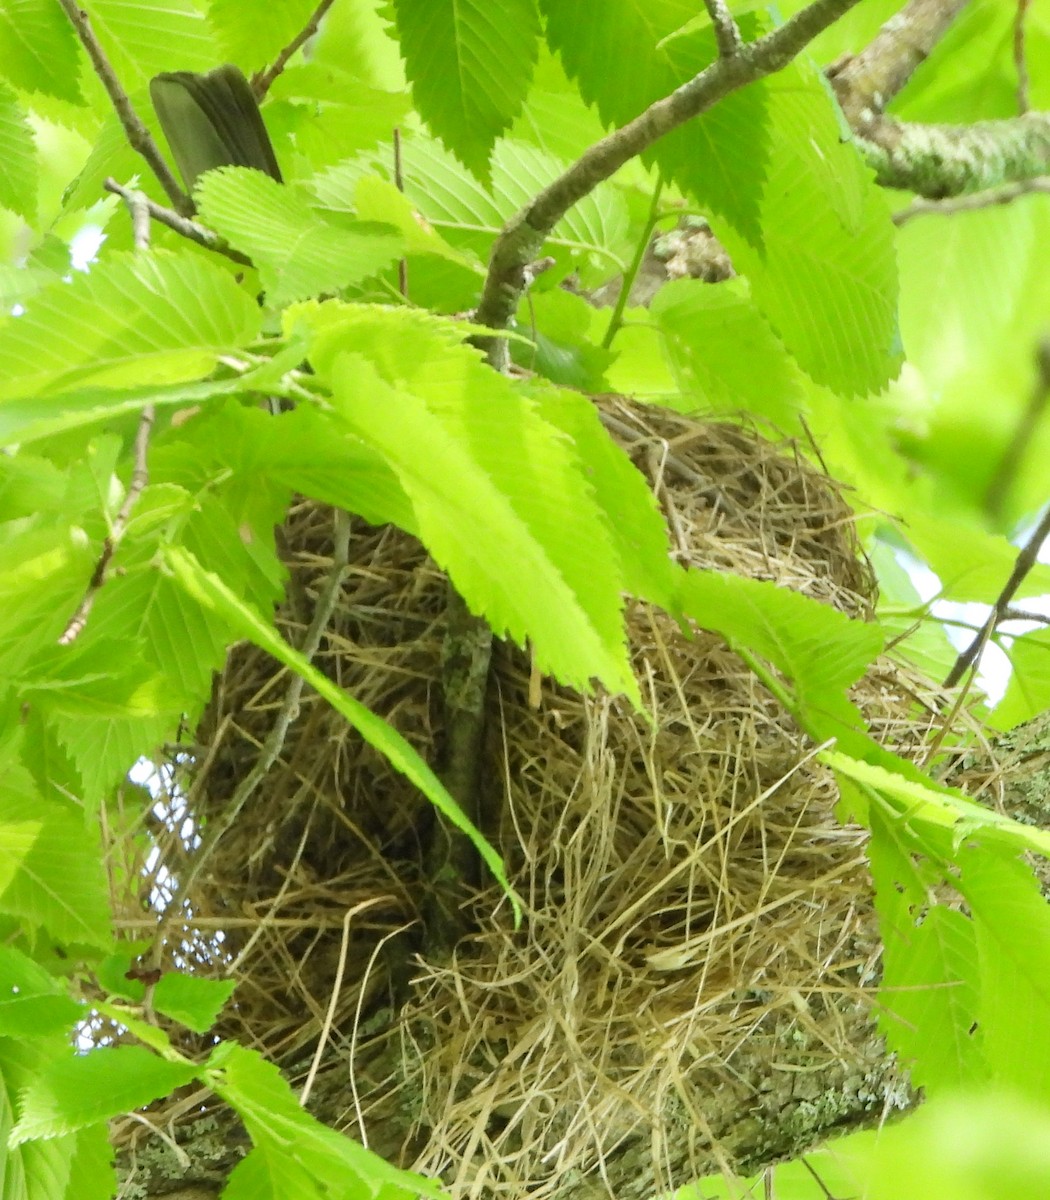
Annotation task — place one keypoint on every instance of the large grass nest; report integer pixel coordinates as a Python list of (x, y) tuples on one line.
[(692, 986)]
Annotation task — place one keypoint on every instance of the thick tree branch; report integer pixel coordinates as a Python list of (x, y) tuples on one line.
[(868, 81), (523, 236), (139, 137), (936, 161)]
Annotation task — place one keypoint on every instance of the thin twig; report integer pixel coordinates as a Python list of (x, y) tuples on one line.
[(1020, 57), (138, 205), (727, 32), (999, 485), (399, 183), (188, 228), (139, 137), (1026, 560), (1024, 614), (275, 740), (523, 236), (989, 198), (262, 80)]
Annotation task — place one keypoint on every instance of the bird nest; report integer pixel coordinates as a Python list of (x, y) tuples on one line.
[(692, 985)]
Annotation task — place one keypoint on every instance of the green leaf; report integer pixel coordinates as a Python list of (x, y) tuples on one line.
[(1028, 692), (18, 158), (195, 1003), (825, 272), (38, 49), (819, 649), (725, 356), (469, 215), (209, 590), (152, 318), (295, 1155), (59, 883), (930, 980), (142, 37), (1012, 921), (720, 156), (939, 807), (326, 114), (297, 252), (632, 515), (16, 842), (490, 481), (74, 1092), (26, 421), (470, 64), (251, 42), (971, 563)]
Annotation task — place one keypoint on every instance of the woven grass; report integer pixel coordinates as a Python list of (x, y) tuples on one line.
[(699, 946)]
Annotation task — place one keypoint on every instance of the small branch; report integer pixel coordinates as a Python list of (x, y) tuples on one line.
[(1020, 58), (262, 81), (139, 137), (184, 225), (1026, 560), (937, 161), (275, 740), (868, 81), (1006, 194), (523, 235), (999, 485), (399, 183), (138, 205), (453, 866), (727, 32)]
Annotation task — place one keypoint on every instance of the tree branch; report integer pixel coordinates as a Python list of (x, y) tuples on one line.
[(139, 137), (989, 198), (1026, 560), (184, 225), (524, 234), (936, 161), (727, 32), (868, 81)]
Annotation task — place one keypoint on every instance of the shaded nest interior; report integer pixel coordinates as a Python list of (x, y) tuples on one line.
[(698, 955)]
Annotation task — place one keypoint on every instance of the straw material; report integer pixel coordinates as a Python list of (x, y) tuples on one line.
[(692, 986)]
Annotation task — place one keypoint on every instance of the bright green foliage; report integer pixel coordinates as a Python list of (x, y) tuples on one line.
[(338, 367), (298, 253), (470, 63), (490, 481), (195, 1003), (1028, 693), (825, 271), (142, 37), (724, 353), (293, 1155), (75, 1091), (722, 155), (38, 49), (247, 38), (18, 165), (155, 319)]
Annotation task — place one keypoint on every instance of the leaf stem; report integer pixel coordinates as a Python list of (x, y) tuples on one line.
[(631, 274)]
